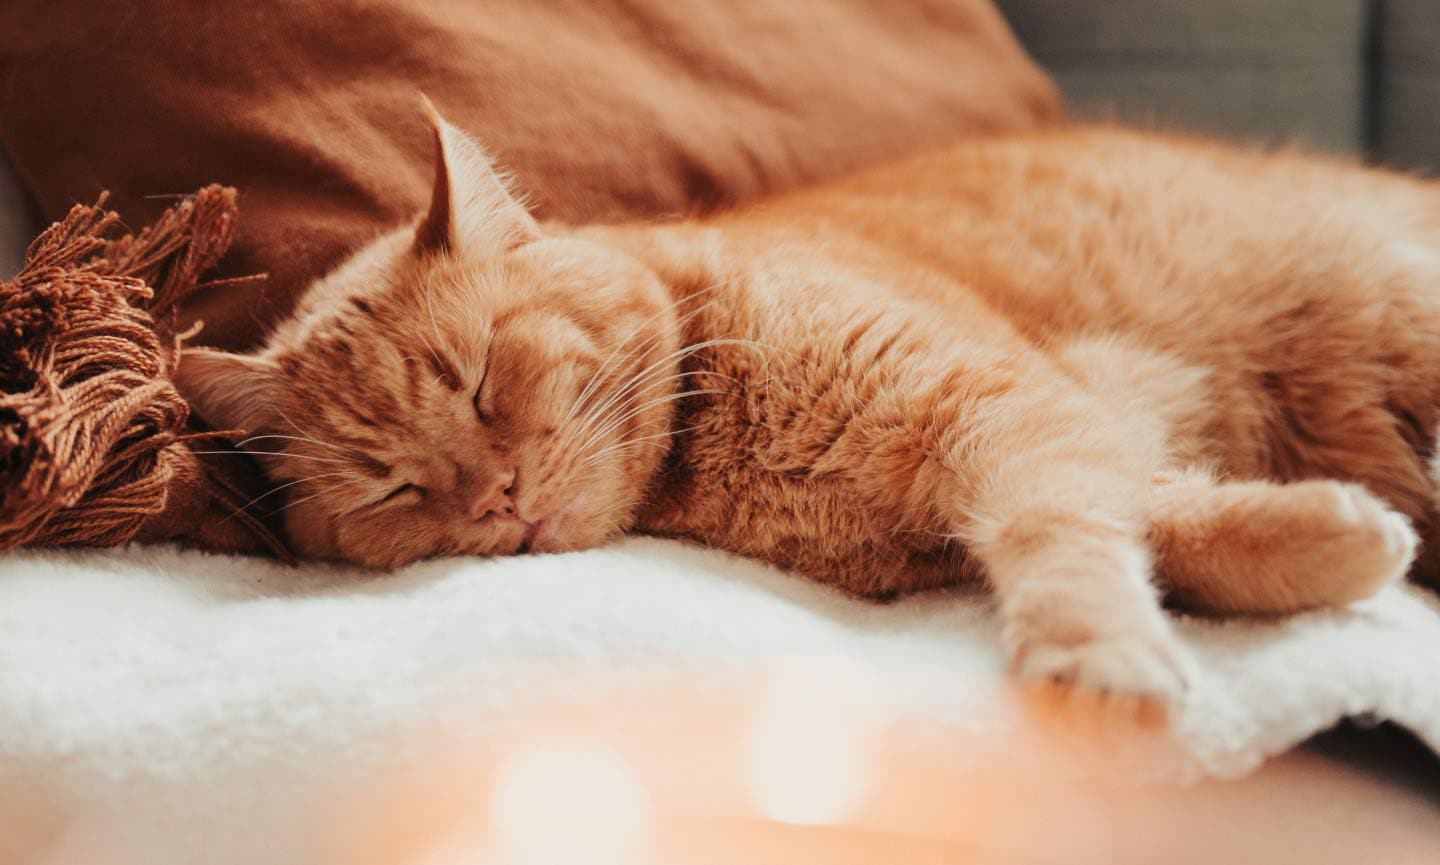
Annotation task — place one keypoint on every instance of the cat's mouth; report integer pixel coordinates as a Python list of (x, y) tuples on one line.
[(532, 534), (544, 535)]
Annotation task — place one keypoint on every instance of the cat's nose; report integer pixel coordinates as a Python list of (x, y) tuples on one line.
[(495, 496)]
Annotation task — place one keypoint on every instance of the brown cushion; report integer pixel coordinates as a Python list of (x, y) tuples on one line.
[(602, 109)]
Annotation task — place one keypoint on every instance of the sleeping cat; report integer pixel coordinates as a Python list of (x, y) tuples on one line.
[(1057, 363)]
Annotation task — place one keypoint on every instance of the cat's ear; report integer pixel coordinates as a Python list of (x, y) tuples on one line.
[(230, 391), (471, 209)]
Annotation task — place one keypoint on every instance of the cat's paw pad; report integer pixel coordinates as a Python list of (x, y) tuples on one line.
[(1152, 668), (1381, 539), (1342, 541)]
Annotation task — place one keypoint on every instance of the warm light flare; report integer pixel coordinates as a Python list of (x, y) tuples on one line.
[(570, 802), (808, 755), (814, 760)]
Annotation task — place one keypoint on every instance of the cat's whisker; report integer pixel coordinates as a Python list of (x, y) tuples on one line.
[(669, 307), (625, 395), (243, 442), (601, 371), (620, 398), (635, 382), (625, 507), (273, 491), (599, 375), (420, 360), (309, 436), (657, 368), (627, 442), (658, 401), (439, 364), (627, 446), (434, 325), (330, 489), (608, 423), (275, 454), (602, 375)]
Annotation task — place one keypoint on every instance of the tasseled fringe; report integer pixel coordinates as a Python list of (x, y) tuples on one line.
[(91, 429)]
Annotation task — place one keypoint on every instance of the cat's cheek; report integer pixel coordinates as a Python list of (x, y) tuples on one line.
[(375, 547), (373, 541), (311, 535)]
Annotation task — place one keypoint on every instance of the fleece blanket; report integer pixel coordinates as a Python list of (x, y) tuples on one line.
[(166, 706)]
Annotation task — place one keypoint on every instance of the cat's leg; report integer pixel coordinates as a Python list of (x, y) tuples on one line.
[(1257, 547), (1052, 491), (1265, 548)]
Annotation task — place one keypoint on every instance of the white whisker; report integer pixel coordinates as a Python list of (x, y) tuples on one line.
[(668, 434), (656, 368), (434, 325), (602, 370), (623, 392), (612, 424), (306, 434), (632, 392), (277, 454), (439, 364), (330, 489), (275, 490), (246, 441)]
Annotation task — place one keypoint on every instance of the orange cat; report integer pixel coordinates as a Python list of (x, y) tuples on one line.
[(1056, 363)]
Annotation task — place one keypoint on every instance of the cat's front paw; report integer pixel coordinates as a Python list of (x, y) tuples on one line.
[(1149, 665)]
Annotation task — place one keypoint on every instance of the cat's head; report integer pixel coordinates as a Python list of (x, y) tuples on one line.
[(469, 384)]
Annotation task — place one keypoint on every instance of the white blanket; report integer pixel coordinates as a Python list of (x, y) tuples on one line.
[(161, 706)]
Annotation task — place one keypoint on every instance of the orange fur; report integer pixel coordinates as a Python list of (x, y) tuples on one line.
[(1055, 362)]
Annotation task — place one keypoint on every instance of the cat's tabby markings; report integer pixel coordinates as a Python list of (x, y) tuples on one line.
[(1060, 363)]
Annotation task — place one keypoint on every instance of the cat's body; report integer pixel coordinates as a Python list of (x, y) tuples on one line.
[(1023, 360), (1278, 316)]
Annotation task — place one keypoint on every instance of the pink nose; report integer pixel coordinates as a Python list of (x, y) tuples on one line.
[(496, 497)]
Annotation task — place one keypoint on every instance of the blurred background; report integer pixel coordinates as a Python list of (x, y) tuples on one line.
[(1355, 76)]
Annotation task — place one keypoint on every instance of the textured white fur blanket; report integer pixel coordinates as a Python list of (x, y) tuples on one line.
[(160, 706)]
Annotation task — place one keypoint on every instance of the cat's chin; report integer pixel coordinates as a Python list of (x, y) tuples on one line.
[(562, 532)]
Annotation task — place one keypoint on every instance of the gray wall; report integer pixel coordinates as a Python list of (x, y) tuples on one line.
[(1408, 115), (1344, 75)]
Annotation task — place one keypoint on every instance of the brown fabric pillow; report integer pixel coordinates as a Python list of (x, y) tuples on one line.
[(602, 109)]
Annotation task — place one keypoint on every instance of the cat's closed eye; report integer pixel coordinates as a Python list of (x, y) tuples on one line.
[(406, 491), (483, 411)]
